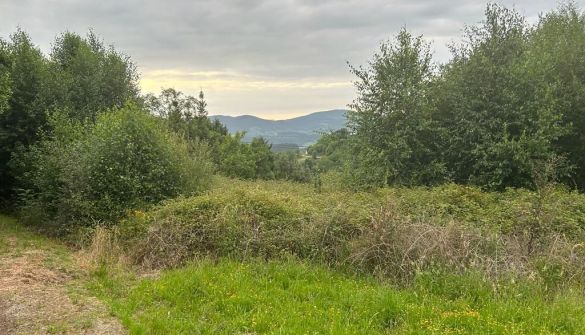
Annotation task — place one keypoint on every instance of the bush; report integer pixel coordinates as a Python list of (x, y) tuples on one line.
[(240, 224), (394, 232), (81, 175)]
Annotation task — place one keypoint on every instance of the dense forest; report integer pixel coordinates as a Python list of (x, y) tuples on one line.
[(455, 189)]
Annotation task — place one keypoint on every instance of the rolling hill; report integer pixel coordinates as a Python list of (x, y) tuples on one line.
[(301, 131)]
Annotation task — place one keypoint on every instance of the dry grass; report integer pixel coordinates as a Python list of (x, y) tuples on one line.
[(40, 291), (103, 249), (394, 246)]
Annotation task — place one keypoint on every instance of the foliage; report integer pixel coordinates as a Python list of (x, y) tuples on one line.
[(22, 72), (390, 118), (508, 101), (80, 77), (87, 78), (263, 158), (82, 174), (289, 165), (187, 116), (395, 233), (331, 152), (236, 158), (557, 66), (498, 122)]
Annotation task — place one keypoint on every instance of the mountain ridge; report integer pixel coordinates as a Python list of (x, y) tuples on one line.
[(301, 131)]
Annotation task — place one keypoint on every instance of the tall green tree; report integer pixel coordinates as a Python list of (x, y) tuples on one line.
[(176, 108), (5, 83), (201, 105), (390, 117), (22, 73), (236, 159), (187, 116), (87, 77), (498, 121), (556, 65), (331, 152), (263, 157), (81, 76)]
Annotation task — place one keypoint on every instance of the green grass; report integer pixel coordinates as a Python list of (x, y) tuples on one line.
[(292, 297), (16, 238)]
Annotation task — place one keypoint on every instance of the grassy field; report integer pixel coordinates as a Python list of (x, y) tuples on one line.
[(292, 297)]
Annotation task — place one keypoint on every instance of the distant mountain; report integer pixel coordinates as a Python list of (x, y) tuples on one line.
[(301, 131)]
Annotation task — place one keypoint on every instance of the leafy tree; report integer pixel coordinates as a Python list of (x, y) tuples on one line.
[(82, 174), (177, 109), (81, 76), (236, 159), (87, 78), (5, 83), (556, 66), (289, 165), (263, 157), (201, 105), (22, 71), (187, 116), (497, 123), (331, 152), (390, 118)]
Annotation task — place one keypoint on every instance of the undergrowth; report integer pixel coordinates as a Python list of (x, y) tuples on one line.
[(394, 232)]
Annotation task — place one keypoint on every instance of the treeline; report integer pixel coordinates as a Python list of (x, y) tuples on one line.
[(79, 80), (187, 116), (506, 111), (80, 143)]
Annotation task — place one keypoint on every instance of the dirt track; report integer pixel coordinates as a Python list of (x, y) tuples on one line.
[(40, 291)]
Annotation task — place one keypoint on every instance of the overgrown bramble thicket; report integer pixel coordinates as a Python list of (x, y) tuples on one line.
[(396, 233)]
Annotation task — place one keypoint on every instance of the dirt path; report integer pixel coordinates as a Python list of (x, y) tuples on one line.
[(6, 324), (41, 290)]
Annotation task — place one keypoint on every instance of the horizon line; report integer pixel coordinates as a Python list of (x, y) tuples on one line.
[(281, 119)]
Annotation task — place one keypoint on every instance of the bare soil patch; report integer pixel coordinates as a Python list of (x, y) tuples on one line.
[(39, 294)]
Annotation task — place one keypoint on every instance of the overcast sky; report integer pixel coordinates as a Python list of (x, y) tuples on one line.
[(271, 58)]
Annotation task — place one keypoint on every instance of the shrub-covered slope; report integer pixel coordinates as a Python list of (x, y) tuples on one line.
[(392, 232)]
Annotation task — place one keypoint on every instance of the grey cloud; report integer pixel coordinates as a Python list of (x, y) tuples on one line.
[(270, 39)]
